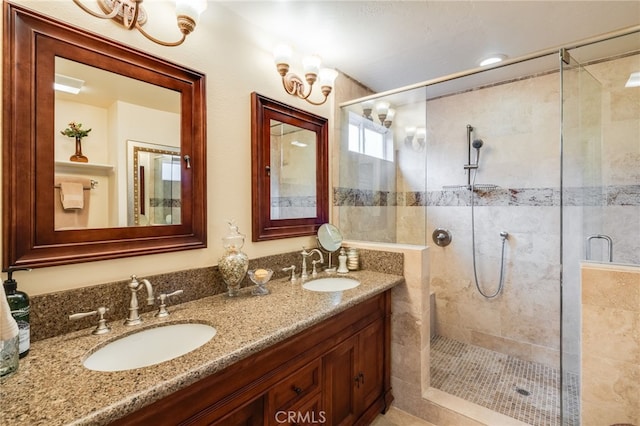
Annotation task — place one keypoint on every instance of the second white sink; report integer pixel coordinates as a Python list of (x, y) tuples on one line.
[(150, 346), (331, 284)]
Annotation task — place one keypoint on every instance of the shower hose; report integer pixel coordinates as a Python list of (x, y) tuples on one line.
[(503, 235)]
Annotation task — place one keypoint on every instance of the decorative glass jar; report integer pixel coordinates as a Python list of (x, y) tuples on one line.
[(233, 264)]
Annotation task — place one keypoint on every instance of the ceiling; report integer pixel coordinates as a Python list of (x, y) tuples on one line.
[(390, 44)]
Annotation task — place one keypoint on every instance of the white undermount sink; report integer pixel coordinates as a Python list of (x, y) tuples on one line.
[(331, 284), (149, 346)]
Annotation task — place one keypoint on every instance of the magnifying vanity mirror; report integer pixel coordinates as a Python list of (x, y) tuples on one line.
[(289, 170), (330, 239), (139, 185)]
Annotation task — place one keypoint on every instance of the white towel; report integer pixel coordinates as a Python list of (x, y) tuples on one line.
[(71, 195), (8, 325)]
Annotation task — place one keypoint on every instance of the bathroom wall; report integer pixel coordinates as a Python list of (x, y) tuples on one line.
[(610, 385), (236, 62)]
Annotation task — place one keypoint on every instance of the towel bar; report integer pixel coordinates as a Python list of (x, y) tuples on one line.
[(94, 183)]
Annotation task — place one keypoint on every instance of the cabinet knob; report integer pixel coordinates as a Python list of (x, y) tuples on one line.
[(297, 390)]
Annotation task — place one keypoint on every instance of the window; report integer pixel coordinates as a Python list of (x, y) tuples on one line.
[(369, 138)]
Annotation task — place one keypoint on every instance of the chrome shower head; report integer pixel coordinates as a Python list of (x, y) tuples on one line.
[(477, 144)]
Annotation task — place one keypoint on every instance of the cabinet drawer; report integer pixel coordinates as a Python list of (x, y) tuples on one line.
[(296, 387), (306, 413)]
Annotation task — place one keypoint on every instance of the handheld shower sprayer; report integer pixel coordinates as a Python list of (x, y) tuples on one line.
[(477, 144)]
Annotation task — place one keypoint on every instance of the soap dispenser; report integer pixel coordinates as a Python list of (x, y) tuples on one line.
[(342, 262), (19, 306)]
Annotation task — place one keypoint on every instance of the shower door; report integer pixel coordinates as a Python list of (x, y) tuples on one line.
[(582, 199)]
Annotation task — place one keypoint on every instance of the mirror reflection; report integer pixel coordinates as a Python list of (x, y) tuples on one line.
[(153, 181), (116, 109), (292, 171)]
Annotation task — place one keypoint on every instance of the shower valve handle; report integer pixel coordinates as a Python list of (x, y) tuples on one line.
[(441, 237)]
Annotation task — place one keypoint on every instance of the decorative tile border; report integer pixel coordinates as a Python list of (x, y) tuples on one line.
[(618, 195)]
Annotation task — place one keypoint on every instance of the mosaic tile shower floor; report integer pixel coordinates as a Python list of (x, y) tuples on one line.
[(526, 391)]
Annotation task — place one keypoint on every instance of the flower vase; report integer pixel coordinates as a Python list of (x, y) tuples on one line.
[(233, 264), (78, 157)]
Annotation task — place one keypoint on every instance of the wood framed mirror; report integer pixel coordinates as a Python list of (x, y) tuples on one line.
[(290, 170), (37, 50)]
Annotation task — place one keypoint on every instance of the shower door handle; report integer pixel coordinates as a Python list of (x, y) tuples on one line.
[(601, 237)]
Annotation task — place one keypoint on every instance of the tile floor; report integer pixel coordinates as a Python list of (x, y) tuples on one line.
[(396, 417), (523, 390)]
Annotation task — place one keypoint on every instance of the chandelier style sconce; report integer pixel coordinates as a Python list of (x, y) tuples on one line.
[(415, 137), (384, 112), (131, 14), (294, 85)]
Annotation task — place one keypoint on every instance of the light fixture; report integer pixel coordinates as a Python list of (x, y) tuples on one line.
[(421, 137), (388, 119), (367, 107), (312, 73), (492, 59), (634, 80), (385, 113), (298, 143), (415, 137), (131, 14), (63, 83)]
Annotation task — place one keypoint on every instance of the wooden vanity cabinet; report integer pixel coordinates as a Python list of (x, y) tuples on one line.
[(336, 372), (354, 373)]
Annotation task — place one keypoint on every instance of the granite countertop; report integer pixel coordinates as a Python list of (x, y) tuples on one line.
[(52, 387)]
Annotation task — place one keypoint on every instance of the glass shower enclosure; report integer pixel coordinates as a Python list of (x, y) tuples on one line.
[(512, 176)]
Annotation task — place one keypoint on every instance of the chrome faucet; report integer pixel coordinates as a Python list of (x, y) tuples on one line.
[(314, 273), (134, 286), (305, 254), (304, 275)]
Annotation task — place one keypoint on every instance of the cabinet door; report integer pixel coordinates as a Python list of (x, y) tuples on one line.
[(339, 367), (370, 365)]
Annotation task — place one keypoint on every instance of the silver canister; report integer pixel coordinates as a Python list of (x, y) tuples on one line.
[(353, 259)]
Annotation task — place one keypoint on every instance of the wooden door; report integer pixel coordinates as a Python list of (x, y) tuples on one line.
[(340, 378), (370, 365)]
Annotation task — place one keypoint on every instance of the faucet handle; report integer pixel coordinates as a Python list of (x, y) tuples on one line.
[(102, 326), (162, 310), (314, 273), (291, 268)]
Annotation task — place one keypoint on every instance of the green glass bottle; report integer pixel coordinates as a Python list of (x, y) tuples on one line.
[(19, 305)]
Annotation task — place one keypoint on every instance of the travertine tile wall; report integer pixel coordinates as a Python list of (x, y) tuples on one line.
[(519, 124), (610, 388)]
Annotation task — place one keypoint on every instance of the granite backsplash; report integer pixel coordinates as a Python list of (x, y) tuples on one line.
[(50, 312)]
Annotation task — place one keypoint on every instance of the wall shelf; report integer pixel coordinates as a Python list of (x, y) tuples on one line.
[(86, 168)]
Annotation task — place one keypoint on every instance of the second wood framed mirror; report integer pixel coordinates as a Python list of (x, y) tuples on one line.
[(290, 170)]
